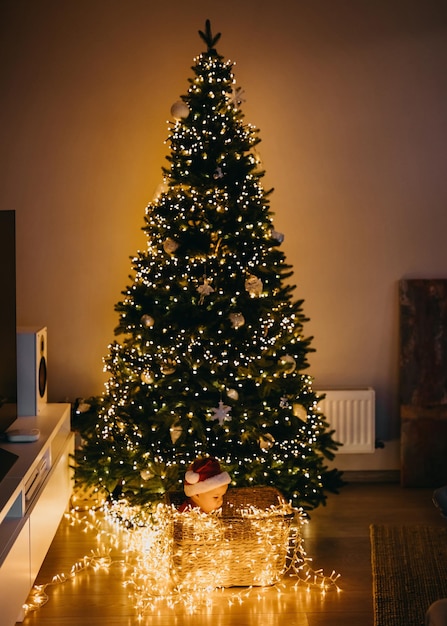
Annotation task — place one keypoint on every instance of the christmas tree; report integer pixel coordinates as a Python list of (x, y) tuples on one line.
[(210, 355)]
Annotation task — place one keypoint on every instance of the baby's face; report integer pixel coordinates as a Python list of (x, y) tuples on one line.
[(210, 500)]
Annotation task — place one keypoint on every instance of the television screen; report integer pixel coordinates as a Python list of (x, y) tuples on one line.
[(8, 329)]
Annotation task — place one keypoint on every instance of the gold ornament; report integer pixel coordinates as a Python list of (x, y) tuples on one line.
[(161, 189), (147, 321), (300, 412), (287, 363), (170, 246), (237, 96), (254, 286), (147, 377), (146, 474), (266, 441), (237, 320), (168, 367), (175, 431), (233, 394)]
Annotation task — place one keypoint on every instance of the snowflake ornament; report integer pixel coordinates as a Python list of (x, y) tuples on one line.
[(221, 413)]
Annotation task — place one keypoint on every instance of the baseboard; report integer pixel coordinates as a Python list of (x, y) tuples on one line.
[(372, 476)]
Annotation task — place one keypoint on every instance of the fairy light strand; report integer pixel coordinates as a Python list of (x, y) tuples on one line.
[(153, 565)]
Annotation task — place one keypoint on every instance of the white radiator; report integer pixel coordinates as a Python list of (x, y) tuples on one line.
[(351, 413)]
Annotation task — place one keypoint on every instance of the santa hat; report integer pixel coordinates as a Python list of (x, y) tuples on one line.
[(204, 475)]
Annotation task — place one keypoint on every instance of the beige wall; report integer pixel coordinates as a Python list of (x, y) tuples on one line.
[(351, 100)]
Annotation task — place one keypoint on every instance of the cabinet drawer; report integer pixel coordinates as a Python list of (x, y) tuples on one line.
[(47, 512)]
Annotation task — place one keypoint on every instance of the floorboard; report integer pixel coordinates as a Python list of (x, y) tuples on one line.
[(336, 538)]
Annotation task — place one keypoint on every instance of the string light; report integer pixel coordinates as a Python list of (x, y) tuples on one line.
[(161, 570)]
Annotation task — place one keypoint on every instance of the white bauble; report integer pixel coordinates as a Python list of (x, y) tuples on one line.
[(180, 110)]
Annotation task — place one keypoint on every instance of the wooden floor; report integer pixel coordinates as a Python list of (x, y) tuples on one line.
[(337, 538)]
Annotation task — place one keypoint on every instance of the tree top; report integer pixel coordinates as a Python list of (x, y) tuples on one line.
[(207, 36)]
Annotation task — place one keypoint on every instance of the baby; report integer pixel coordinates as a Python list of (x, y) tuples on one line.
[(205, 485)]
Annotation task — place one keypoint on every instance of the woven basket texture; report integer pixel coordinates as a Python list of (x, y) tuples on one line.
[(244, 544)]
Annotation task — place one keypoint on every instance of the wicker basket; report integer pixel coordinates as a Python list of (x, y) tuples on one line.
[(244, 544)]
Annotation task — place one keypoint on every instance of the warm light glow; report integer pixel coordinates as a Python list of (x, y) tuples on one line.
[(174, 559)]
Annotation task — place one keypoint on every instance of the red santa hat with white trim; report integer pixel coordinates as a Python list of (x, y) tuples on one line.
[(204, 475)]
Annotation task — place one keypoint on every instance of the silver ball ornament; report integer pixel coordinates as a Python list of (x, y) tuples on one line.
[(180, 110)]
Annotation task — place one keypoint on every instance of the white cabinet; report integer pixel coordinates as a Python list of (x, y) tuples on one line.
[(33, 497), (15, 581)]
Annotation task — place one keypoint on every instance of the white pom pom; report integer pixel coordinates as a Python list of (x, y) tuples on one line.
[(192, 477)]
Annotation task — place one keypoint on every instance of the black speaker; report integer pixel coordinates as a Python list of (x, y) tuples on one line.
[(31, 370)]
